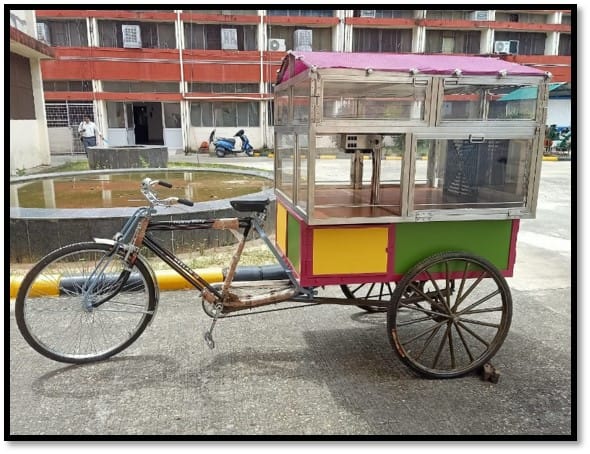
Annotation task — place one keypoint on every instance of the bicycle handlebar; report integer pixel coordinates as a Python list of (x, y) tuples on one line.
[(149, 194)]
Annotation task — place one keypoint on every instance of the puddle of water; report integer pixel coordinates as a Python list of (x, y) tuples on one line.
[(123, 190)]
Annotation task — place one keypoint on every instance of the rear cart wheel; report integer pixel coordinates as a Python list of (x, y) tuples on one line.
[(455, 321), (381, 291)]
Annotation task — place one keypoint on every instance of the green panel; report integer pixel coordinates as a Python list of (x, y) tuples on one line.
[(416, 241), (293, 241)]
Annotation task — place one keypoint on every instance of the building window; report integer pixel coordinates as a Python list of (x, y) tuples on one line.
[(300, 12), (224, 12), (321, 38), (528, 43), (67, 85), (65, 33), (152, 35), (22, 102), (521, 17), (386, 13), (566, 19), (124, 86), (209, 36), (565, 44), (381, 40), (452, 42), (225, 114), (207, 87), (448, 14)]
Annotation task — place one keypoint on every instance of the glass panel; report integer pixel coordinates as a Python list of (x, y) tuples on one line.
[(172, 114), (301, 93), (115, 114), (468, 102), (367, 185), (455, 173), (282, 107), (285, 149), (394, 101), (303, 148)]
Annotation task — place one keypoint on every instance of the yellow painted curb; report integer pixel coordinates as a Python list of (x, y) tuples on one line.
[(550, 158), (171, 280), (328, 156), (166, 279)]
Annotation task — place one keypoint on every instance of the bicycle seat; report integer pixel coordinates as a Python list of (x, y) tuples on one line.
[(249, 205)]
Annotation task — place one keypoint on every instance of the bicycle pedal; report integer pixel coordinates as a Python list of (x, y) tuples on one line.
[(209, 340)]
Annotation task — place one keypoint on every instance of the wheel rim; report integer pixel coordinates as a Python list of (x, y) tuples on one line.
[(58, 318), (371, 292), (456, 321)]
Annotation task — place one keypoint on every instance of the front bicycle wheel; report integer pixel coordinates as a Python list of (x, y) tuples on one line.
[(54, 309)]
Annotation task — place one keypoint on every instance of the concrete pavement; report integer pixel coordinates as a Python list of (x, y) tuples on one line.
[(318, 371)]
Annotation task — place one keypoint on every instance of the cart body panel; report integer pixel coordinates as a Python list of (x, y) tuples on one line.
[(364, 253)]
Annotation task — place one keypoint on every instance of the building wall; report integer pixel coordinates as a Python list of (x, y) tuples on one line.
[(29, 142), (194, 58)]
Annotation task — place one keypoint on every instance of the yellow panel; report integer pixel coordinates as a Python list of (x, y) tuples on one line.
[(281, 232), (350, 250)]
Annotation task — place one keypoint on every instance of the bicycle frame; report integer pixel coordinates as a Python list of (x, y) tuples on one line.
[(135, 234)]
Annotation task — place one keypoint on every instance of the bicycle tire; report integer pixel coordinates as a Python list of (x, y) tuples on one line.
[(52, 311)]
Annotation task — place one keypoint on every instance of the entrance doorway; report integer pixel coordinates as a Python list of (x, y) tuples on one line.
[(147, 118)]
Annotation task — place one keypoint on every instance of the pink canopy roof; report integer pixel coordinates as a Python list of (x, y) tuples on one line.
[(404, 63)]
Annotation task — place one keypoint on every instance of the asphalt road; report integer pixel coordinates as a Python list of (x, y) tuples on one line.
[(318, 371)]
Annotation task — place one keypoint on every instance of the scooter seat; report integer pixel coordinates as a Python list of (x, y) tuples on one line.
[(249, 205)]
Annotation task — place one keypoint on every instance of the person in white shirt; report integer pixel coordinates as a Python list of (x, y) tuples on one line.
[(88, 132)]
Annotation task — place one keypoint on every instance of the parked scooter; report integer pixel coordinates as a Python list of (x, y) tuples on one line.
[(225, 145)]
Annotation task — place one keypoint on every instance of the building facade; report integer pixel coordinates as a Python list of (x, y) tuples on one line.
[(29, 142), (171, 76)]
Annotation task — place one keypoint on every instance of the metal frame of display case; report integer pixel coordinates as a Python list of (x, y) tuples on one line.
[(431, 127)]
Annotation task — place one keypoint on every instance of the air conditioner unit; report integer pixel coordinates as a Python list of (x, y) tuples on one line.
[(480, 15), (43, 32), (131, 36), (368, 12), (506, 47), (276, 44), (303, 40), (502, 47), (229, 39)]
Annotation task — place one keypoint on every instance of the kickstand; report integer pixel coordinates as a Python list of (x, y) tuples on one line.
[(209, 334)]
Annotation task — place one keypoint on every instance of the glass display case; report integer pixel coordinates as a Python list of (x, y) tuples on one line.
[(385, 141)]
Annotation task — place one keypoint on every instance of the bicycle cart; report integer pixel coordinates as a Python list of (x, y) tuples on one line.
[(419, 219)]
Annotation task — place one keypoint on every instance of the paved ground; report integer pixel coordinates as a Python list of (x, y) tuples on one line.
[(318, 371)]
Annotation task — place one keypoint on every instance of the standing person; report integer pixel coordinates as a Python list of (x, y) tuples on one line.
[(88, 132)]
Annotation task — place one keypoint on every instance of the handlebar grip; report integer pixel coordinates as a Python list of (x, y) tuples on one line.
[(186, 202), (165, 184)]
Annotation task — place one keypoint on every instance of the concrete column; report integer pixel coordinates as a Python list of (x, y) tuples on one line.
[(552, 43), (418, 39), (338, 31), (347, 32), (554, 18), (486, 43)]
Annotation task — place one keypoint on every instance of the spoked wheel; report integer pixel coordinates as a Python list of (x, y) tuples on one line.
[(381, 291), (456, 321), (54, 309)]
